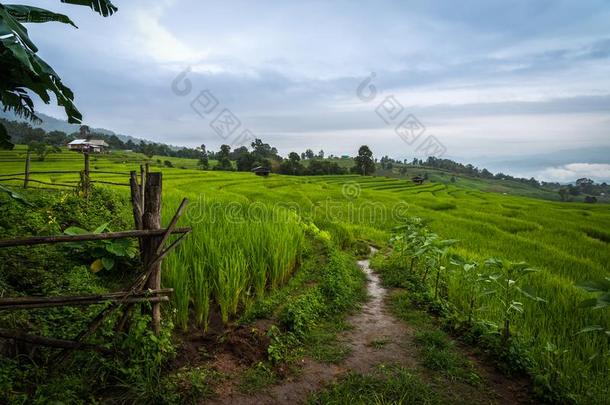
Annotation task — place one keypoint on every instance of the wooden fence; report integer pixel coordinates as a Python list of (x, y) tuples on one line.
[(83, 183), (154, 246)]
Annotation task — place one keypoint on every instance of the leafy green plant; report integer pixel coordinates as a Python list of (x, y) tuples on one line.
[(21, 68), (504, 283), (15, 196), (438, 251), (105, 252), (470, 281), (42, 150)]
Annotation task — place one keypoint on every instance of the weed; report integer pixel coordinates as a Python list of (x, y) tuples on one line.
[(257, 378), (389, 385)]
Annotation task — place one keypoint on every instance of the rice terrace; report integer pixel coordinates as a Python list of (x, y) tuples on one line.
[(328, 245)]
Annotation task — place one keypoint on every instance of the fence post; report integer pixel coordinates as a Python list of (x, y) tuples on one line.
[(26, 180), (143, 172), (85, 175), (151, 219)]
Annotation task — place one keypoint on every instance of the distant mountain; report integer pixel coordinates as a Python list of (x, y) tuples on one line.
[(53, 124)]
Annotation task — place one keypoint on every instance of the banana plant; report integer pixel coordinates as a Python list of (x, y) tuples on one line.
[(22, 71), (105, 252), (504, 283), (16, 196)]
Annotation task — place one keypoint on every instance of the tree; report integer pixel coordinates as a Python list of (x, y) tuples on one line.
[(292, 165), (262, 150), (364, 161), (42, 149), (57, 138), (115, 143), (224, 163), (321, 154), (585, 185), (84, 132), (147, 149), (245, 162), (309, 154), (293, 157), (204, 162), (22, 70)]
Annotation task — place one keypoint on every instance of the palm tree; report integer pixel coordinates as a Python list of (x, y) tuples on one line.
[(22, 70)]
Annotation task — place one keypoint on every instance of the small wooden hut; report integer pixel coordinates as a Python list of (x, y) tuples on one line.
[(261, 171), (418, 180)]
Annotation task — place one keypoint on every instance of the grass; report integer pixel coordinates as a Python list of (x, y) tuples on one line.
[(438, 353), (322, 345), (238, 251), (389, 385), (257, 378)]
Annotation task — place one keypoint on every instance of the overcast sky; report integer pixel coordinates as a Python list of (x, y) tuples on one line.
[(491, 81)]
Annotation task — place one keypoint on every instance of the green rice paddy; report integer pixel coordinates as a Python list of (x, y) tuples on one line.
[(248, 234)]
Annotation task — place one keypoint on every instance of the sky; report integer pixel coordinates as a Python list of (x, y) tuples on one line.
[(494, 83)]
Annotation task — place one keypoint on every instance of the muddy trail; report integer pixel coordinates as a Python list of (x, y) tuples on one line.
[(377, 337)]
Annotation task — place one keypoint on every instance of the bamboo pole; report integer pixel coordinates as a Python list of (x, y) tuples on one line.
[(27, 169), (8, 301), (40, 240), (50, 342), (84, 302)]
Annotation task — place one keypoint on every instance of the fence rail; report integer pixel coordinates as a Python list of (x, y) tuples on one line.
[(84, 181)]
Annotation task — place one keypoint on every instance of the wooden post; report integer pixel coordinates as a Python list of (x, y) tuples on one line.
[(142, 184), (85, 179), (87, 171), (26, 180), (151, 219)]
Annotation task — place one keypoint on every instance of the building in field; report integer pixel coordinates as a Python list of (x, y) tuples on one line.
[(261, 171), (91, 145), (418, 180)]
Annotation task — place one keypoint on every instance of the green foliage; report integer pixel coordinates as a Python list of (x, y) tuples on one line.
[(257, 378), (105, 253), (42, 150), (190, 385), (31, 377), (439, 354), (505, 284), (230, 261), (389, 385), (302, 314), (312, 318), (564, 240), (15, 196), (22, 69), (363, 163), (322, 345)]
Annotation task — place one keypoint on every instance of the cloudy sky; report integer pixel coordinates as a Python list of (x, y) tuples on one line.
[(497, 83)]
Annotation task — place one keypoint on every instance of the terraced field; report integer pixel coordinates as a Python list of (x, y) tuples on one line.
[(247, 233)]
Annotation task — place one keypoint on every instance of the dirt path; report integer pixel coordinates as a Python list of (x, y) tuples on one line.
[(377, 337)]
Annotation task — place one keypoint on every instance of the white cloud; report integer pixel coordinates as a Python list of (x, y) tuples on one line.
[(568, 173), (157, 42)]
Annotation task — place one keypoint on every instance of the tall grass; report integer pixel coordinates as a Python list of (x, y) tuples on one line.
[(228, 260)]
